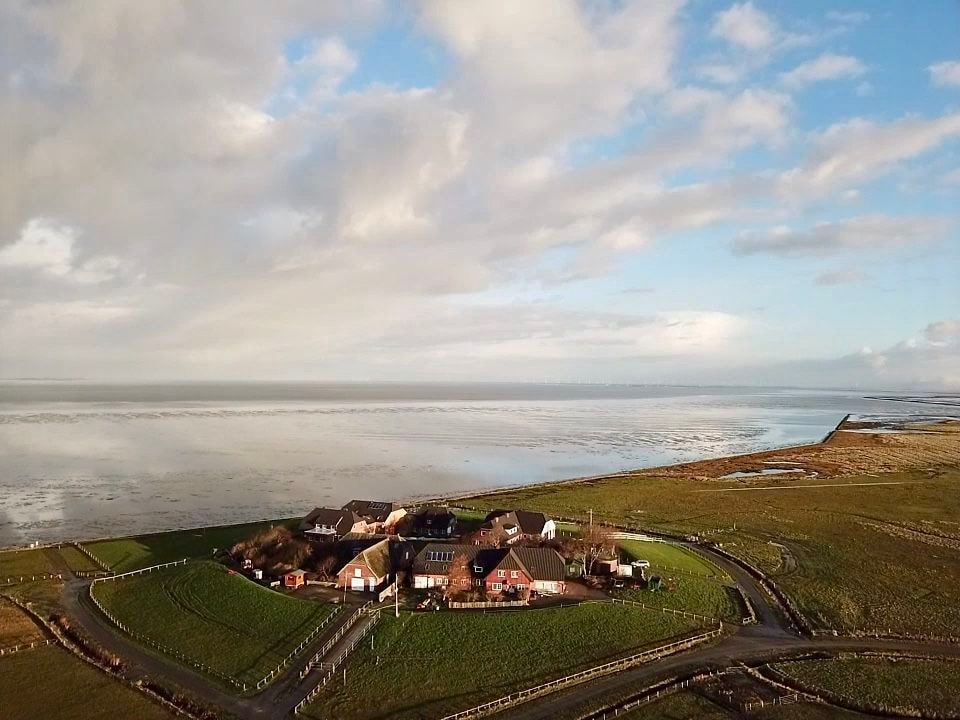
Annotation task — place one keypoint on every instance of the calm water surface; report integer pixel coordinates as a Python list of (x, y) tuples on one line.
[(80, 460)]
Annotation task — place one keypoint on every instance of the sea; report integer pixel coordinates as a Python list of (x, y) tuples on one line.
[(82, 460)]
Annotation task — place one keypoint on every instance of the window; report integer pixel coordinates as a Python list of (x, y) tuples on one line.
[(501, 573), (356, 572), (440, 555), (464, 581), (497, 586), (483, 533), (521, 586), (514, 574), (477, 569)]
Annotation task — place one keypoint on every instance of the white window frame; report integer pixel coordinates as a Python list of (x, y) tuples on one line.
[(514, 573), (357, 572), (501, 573), (497, 586)]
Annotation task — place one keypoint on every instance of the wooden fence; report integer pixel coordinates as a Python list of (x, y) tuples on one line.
[(265, 680), (328, 645), (453, 605), (24, 646), (584, 675), (93, 558), (331, 667)]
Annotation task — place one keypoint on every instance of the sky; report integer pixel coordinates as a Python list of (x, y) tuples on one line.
[(660, 191)]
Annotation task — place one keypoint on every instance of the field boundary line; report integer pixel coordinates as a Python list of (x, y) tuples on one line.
[(265, 680), (25, 646), (98, 561), (605, 669)]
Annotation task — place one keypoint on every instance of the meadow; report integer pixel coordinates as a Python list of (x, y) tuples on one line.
[(213, 616), (931, 686), (76, 560), (666, 556), (17, 563), (48, 682), (424, 665), (16, 628), (133, 553), (811, 540)]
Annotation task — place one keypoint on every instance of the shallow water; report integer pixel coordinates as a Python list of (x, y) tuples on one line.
[(80, 461)]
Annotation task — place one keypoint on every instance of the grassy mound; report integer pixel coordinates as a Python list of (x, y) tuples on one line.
[(212, 616)]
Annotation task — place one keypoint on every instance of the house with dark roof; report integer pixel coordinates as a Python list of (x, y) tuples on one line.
[(432, 522), (504, 527), (329, 525), (507, 570), (380, 516)]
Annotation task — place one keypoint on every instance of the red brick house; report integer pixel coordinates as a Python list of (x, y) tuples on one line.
[(509, 571), (505, 527)]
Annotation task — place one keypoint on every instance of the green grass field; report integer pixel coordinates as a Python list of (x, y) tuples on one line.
[(76, 560), (665, 556), (909, 531), (16, 563), (425, 665), (50, 683), (931, 686), (695, 595), (213, 616), (145, 550)]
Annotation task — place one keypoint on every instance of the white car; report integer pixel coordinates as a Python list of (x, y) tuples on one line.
[(641, 563)]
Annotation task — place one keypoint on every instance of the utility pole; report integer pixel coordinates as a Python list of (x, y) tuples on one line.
[(396, 598)]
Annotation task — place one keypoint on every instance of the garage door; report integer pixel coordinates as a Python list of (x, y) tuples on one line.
[(356, 584)]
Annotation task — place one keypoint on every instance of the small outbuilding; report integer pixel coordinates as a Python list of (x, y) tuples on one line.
[(294, 579)]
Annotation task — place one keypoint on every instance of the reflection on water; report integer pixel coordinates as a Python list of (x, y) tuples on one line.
[(85, 461)]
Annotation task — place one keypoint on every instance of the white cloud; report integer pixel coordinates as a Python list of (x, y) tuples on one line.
[(827, 66), (848, 17), (859, 150), (868, 232), (47, 247), (745, 26), (945, 74)]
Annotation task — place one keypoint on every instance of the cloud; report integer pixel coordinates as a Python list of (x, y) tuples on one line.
[(945, 74), (840, 277), (745, 26), (867, 232), (47, 247), (859, 150), (827, 66)]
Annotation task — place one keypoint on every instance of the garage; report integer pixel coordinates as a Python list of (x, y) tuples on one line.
[(357, 584)]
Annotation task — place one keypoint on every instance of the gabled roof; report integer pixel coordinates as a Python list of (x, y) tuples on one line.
[(376, 557), (530, 523), (376, 510), (536, 563), (340, 520)]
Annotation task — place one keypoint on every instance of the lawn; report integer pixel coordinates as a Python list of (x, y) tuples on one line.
[(695, 595), (424, 665), (908, 528), (17, 563), (16, 628), (667, 557), (76, 560), (213, 616), (50, 683), (931, 686), (142, 551)]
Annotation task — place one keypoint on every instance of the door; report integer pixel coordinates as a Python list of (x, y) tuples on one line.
[(356, 584)]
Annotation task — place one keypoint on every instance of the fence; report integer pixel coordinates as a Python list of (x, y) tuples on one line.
[(477, 605), (328, 645), (14, 579), (93, 558), (141, 571), (583, 675), (24, 646), (750, 615), (663, 610), (265, 680), (650, 694), (332, 667)]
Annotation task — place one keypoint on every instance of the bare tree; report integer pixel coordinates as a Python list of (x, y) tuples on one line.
[(595, 542), (459, 576)]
